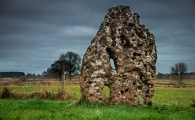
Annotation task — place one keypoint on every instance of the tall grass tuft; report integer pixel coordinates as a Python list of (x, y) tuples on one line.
[(6, 93), (42, 94)]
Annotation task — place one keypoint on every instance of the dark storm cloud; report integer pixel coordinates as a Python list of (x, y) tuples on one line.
[(34, 33)]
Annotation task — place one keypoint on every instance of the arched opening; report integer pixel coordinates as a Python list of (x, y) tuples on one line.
[(106, 92), (112, 63)]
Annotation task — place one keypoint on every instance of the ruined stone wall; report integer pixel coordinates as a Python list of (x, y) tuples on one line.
[(132, 47)]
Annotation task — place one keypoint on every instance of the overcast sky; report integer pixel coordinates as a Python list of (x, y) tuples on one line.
[(34, 33)]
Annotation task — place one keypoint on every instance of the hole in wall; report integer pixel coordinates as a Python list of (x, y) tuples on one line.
[(106, 92), (139, 87), (126, 90), (112, 63), (134, 82)]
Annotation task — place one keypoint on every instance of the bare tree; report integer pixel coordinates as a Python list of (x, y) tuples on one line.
[(179, 71)]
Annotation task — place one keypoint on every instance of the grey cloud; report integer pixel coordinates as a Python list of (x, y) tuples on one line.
[(35, 32)]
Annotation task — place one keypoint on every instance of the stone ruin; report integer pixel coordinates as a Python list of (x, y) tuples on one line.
[(131, 46)]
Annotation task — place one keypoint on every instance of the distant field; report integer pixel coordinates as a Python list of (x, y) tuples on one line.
[(4, 82), (169, 81), (168, 104)]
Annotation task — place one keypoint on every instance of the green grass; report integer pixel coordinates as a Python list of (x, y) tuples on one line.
[(181, 97), (168, 104), (169, 81)]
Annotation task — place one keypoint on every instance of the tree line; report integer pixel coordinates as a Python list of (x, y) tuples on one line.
[(70, 62), (11, 74)]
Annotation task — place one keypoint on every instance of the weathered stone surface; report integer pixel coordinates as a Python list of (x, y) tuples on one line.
[(132, 47)]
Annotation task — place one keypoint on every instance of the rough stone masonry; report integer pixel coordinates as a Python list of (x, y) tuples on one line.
[(131, 46)]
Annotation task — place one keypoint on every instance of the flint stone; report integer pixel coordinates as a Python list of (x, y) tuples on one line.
[(122, 38)]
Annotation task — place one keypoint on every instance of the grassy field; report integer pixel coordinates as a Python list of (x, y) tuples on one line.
[(169, 81), (168, 104)]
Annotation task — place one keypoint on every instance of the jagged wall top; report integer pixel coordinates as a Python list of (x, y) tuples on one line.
[(132, 47)]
